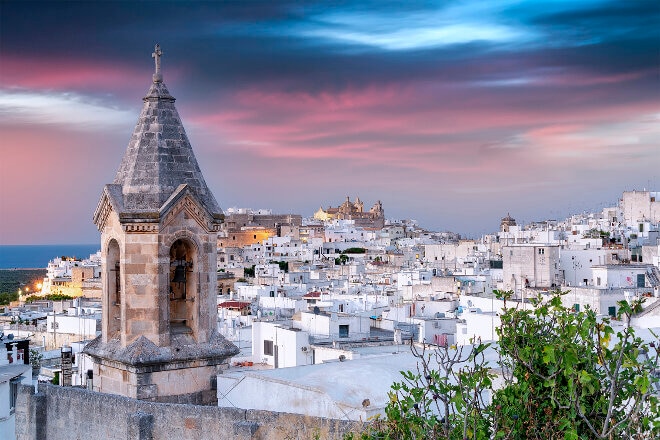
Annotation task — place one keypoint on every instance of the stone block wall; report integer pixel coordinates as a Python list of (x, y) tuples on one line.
[(76, 413)]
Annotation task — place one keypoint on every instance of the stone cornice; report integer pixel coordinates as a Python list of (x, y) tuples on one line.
[(142, 355), (145, 228)]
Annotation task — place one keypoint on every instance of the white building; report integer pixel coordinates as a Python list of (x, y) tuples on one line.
[(436, 331), (279, 345), (350, 390), (640, 206), (475, 325), (81, 326), (630, 276), (331, 327), (530, 265), (576, 264), (11, 375)]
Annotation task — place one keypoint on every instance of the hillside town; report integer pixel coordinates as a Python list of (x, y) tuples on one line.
[(253, 321), (295, 292)]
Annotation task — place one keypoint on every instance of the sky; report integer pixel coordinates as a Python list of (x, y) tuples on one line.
[(453, 113)]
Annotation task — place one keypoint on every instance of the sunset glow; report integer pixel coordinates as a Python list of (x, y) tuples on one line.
[(453, 114)]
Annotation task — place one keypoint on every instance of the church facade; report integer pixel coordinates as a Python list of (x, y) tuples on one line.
[(159, 225), (373, 219)]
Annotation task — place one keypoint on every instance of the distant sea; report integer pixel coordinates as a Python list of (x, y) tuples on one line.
[(38, 256)]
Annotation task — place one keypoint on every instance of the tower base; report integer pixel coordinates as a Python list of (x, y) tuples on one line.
[(183, 372)]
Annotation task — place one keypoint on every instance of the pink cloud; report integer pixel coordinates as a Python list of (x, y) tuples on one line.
[(583, 79), (75, 74), (398, 126)]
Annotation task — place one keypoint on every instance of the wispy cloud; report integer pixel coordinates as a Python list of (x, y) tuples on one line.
[(64, 109)]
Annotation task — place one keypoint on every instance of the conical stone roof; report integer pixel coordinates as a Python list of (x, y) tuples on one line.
[(159, 156)]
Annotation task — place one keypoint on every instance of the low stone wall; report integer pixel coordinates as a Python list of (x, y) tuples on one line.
[(76, 413)]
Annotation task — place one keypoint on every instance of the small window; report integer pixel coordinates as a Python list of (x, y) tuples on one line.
[(13, 393), (268, 348), (255, 236), (343, 331), (541, 251), (598, 281)]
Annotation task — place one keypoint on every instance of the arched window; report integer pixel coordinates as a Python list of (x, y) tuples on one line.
[(114, 292), (183, 286)]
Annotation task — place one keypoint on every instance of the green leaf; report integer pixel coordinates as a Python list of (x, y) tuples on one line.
[(584, 377), (548, 354)]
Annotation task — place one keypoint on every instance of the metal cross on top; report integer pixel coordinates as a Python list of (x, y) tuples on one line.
[(158, 76)]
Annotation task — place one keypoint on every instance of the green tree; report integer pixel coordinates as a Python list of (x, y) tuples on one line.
[(572, 376), (567, 375), (449, 381), (6, 298), (50, 297)]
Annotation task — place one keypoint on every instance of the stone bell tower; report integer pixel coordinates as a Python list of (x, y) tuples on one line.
[(159, 222)]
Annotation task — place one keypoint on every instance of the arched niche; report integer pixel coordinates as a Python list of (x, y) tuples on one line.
[(114, 290), (182, 286)]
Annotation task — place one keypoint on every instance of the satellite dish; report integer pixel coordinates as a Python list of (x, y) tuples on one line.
[(10, 336), (317, 310)]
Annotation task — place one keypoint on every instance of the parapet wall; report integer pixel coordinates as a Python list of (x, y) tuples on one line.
[(75, 413)]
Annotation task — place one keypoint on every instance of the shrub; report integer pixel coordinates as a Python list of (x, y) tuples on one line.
[(567, 375)]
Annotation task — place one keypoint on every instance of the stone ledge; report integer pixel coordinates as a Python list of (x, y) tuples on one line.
[(145, 356)]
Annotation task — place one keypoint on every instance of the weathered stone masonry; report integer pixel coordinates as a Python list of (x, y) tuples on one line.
[(159, 224), (75, 413)]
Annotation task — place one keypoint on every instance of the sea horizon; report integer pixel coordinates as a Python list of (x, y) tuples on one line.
[(37, 256)]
